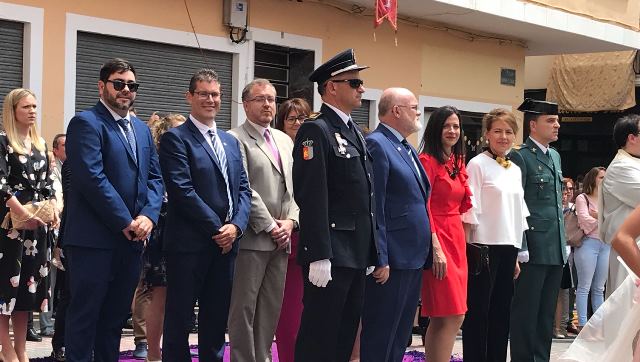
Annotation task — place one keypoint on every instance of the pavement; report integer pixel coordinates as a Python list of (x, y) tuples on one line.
[(43, 349)]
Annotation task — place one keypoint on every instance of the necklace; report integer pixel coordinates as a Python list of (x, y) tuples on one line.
[(502, 161), (453, 172)]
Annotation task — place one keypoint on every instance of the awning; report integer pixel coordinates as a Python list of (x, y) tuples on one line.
[(593, 82), (621, 12)]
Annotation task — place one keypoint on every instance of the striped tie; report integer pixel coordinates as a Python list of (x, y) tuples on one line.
[(131, 138), (218, 150)]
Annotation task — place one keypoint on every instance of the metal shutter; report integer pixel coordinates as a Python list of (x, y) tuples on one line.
[(11, 43), (163, 72), (361, 115)]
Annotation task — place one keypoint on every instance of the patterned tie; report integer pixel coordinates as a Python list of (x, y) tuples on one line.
[(218, 150), (131, 138), (273, 148)]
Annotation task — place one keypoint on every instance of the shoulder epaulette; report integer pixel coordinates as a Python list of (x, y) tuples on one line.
[(313, 116)]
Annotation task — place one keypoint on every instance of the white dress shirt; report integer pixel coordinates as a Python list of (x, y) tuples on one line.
[(499, 210)]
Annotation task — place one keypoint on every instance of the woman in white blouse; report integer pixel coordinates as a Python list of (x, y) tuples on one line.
[(493, 228), (592, 258)]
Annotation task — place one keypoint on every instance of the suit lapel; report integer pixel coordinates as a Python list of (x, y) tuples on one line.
[(261, 143), (402, 151), (111, 122), (200, 138), (540, 156), (342, 128)]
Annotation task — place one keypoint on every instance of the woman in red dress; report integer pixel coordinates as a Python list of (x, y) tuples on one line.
[(444, 287)]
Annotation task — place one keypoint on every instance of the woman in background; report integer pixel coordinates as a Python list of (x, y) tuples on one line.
[(154, 275), (290, 116), (592, 257)]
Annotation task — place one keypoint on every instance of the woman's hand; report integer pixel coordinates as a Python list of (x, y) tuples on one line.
[(516, 271), (439, 267), (55, 224), (33, 223)]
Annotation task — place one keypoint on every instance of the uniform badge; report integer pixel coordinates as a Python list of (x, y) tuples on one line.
[(307, 150), (341, 143)]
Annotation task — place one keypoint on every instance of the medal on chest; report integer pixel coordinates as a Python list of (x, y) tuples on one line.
[(341, 144)]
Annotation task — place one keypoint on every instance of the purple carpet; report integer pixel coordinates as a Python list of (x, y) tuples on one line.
[(127, 356)]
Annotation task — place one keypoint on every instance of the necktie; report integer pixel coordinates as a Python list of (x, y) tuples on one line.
[(353, 129), (272, 148), (131, 138), (218, 150), (408, 148)]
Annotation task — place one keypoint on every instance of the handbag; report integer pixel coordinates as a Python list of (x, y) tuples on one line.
[(43, 209), (477, 258), (572, 231)]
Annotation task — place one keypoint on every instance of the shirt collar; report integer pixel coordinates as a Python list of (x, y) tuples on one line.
[(343, 116), (540, 146), (395, 133), (203, 128), (116, 116), (258, 127)]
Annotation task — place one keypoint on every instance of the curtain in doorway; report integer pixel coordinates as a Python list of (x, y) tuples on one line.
[(593, 82)]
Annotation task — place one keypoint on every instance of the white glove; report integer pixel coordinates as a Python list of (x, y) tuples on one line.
[(369, 270), (320, 272), (523, 256)]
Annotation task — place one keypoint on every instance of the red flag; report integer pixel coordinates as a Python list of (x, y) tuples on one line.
[(386, 9)]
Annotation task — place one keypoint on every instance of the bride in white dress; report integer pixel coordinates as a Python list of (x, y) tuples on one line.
[(612, 333)]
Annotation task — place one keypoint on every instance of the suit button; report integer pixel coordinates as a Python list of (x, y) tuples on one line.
[(372, 194), (532, 228), (371, 214), (305, 248), (333, 225)]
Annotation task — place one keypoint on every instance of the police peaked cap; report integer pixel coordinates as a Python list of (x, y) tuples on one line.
[(343, 62), (538, 107)]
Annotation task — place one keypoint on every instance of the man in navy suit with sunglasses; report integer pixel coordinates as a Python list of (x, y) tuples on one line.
[(116, 198)]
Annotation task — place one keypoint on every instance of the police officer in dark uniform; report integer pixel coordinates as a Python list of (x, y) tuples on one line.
[(543, 252), (333, 187)]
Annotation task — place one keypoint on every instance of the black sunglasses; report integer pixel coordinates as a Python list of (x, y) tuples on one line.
[(353, 83), (119, 85)]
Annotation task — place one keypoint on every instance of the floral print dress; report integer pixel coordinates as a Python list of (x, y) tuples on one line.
[(25, 255)]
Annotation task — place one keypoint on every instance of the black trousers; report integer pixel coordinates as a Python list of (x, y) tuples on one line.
[(330, 316), (206, 276), (532, 312), (485, 330), (61, 302)]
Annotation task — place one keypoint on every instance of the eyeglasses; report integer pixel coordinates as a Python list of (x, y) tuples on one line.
[(415, 108), (300, 118), (261, 99), (206, 95), (353, 83), (119, 85)]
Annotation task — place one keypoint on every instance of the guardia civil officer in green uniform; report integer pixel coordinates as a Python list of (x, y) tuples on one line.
[(543, 251), (332, 185)]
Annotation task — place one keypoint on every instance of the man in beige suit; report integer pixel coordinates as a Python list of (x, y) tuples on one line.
[(261, 265)]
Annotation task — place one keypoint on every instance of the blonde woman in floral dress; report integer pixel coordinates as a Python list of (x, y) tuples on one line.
[(24, 254)]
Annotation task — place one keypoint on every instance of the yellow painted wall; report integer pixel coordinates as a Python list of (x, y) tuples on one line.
[(429, 62)]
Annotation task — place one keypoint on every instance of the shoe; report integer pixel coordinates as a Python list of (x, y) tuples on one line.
[(47, 333), (558, 335), (571, 329), (32, 335), (140, 351), (58, 355)]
